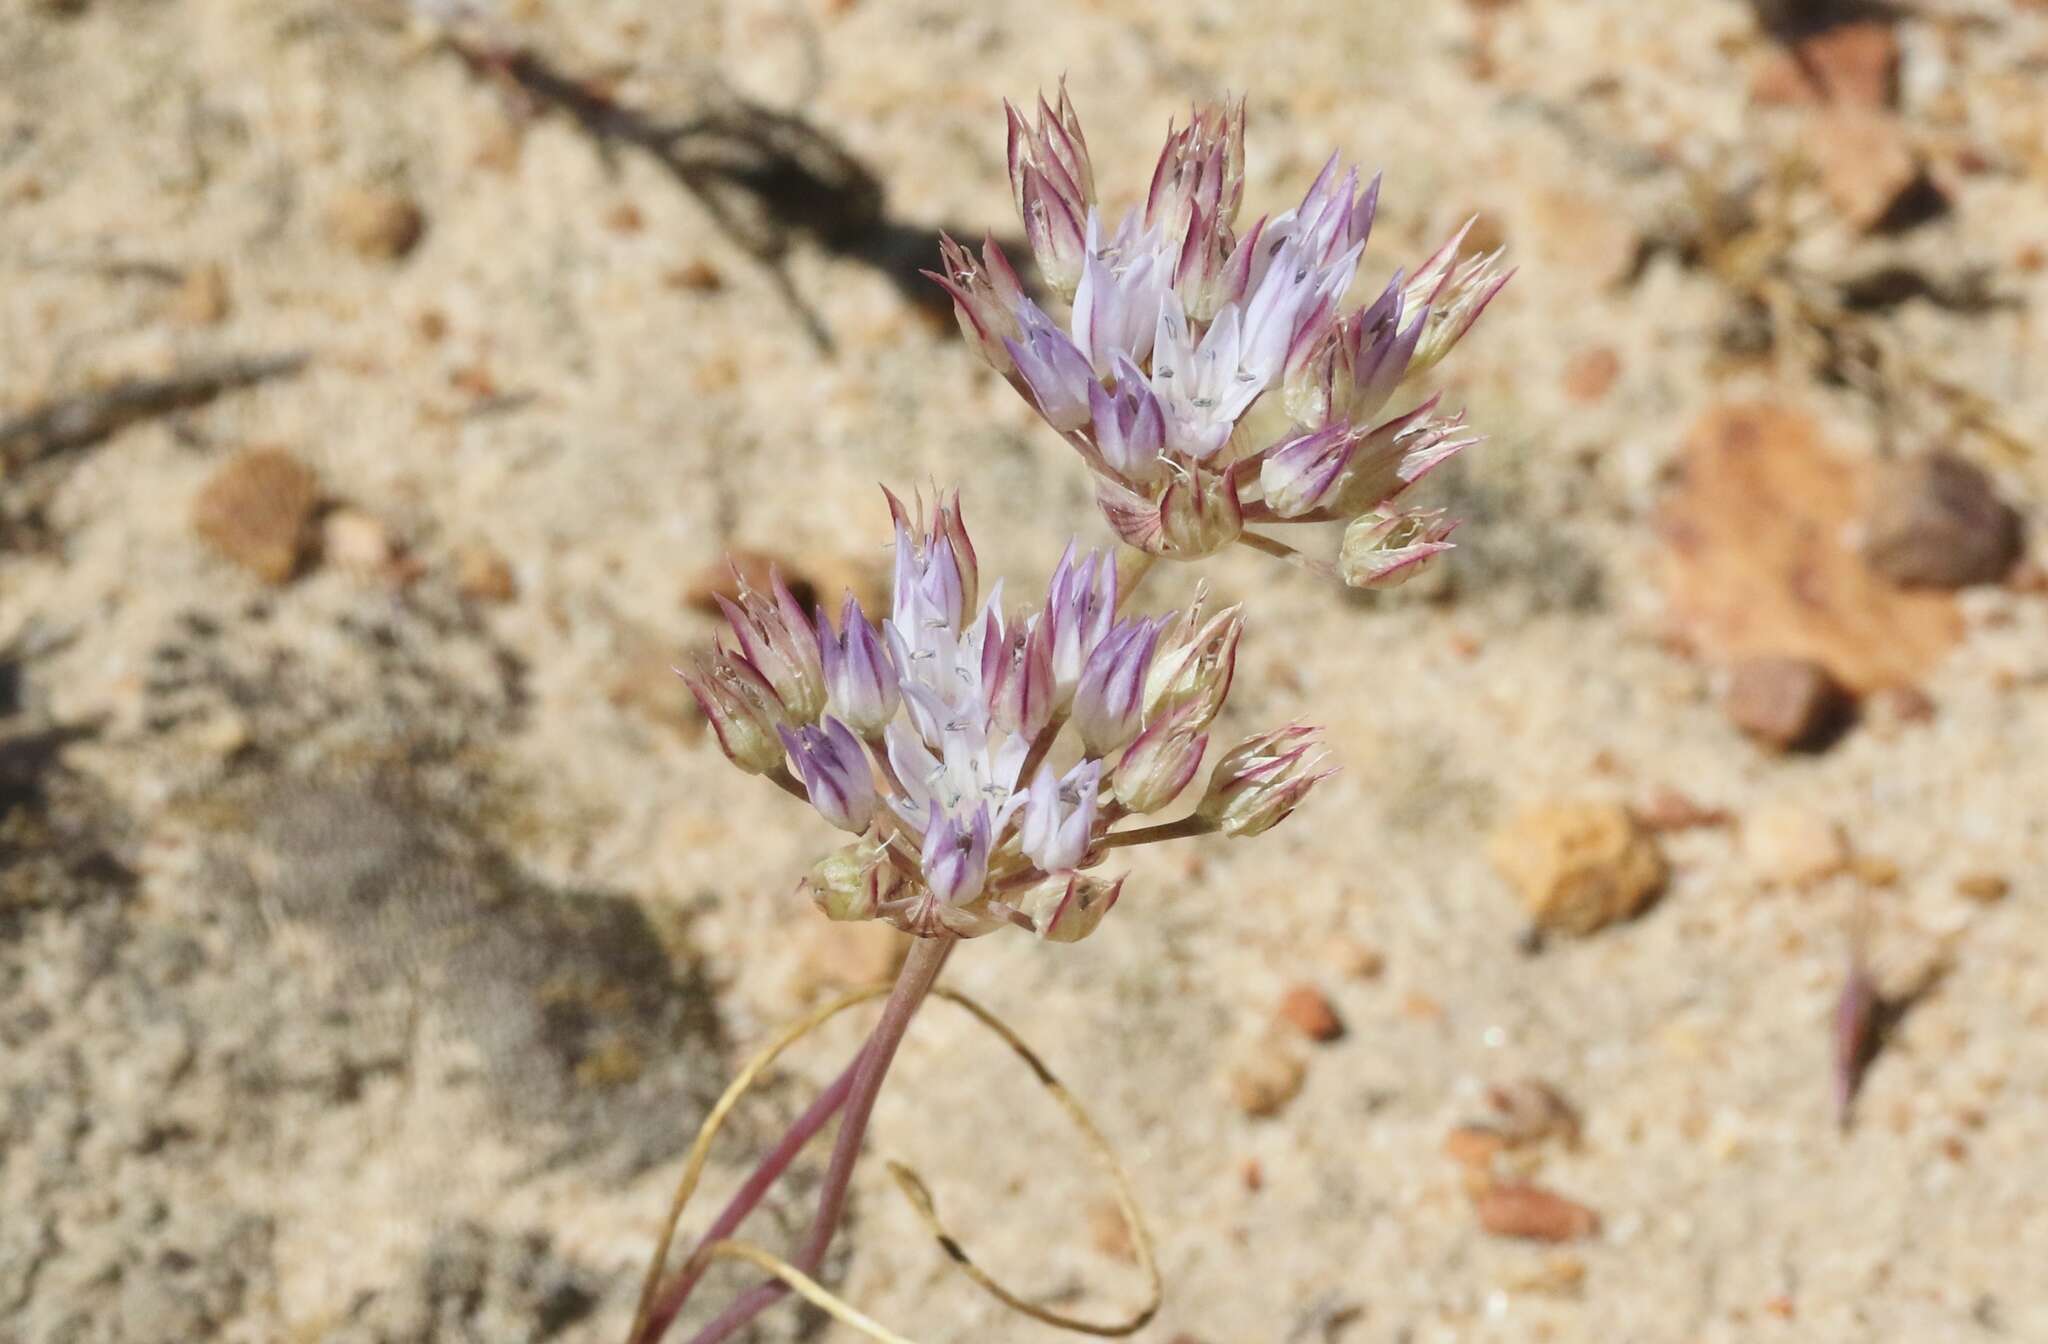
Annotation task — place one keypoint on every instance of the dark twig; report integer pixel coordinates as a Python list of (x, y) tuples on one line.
[(85, 418), (765, 176)]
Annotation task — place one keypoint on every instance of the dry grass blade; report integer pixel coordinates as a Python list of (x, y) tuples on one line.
[(808, 1288), (700, 1150), (914, 1188), (920, 1198)]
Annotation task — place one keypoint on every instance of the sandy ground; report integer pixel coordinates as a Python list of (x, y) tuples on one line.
[(369, 950)]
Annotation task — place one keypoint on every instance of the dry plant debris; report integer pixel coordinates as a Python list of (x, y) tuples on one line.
[(1758, 562)]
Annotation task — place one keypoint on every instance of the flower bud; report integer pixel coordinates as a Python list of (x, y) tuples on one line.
[(852, 882), (1194, 664), (936, 573), (1054, 186), (1109, 703), (1200, 169), (1059, 817), (835, 773), (1261, 780), (781, 643), (1053, 369), (742, 709), (1161, 762), (1066, 911), (860, 681), (1302, 474), (1128, 425), (1016, 675), (1199, 515), (1080, 607), (1385, 549), (985, 298), (1116, 311), (955, 855), (1456, 293)]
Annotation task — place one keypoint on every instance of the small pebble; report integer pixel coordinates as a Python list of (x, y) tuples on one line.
[(1556, 1276), (1893, 708), (1578, 866), (1264, 1077), (1791, 847), (1534, 1214), (698, 277), (1788, 704), (1591, 373), (1984, 888), (375, 222), (1869, 170), (483, 574), (353, 540), (1937, 522), (257, 510), (202, 298), (1670, 810), (1474, 1147), (1356, 960), (1531, 1111), (1307, 1009), (1421, 1007)]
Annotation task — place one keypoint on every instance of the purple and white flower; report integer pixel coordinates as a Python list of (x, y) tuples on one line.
[(939, 729), (835, 772), (1180, 326)]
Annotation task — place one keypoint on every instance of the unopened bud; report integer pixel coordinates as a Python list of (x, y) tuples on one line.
[(1262, 779), (835, 772), (985, 297), (780, 641), (1109, 702), (1386, 549), (1194, 664), (1162, 761), (852, 882), (742, 708), (1066, 911), (861, 686)]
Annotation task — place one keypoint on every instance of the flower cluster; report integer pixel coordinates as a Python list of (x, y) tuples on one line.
[(982, 757), (1210, 378)]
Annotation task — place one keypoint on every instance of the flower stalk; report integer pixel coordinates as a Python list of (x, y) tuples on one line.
[(853, 1095)]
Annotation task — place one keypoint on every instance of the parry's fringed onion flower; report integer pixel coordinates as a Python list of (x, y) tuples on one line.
[(938, 737), (1210, 378)]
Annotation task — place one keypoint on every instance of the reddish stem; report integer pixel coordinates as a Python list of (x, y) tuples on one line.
[(750, 1194), (920, 971)]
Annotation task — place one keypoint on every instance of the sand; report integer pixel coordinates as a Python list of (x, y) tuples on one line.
[(370, 949)]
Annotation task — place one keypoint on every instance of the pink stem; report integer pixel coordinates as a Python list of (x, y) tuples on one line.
[(920, 971), (671, 1300)]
